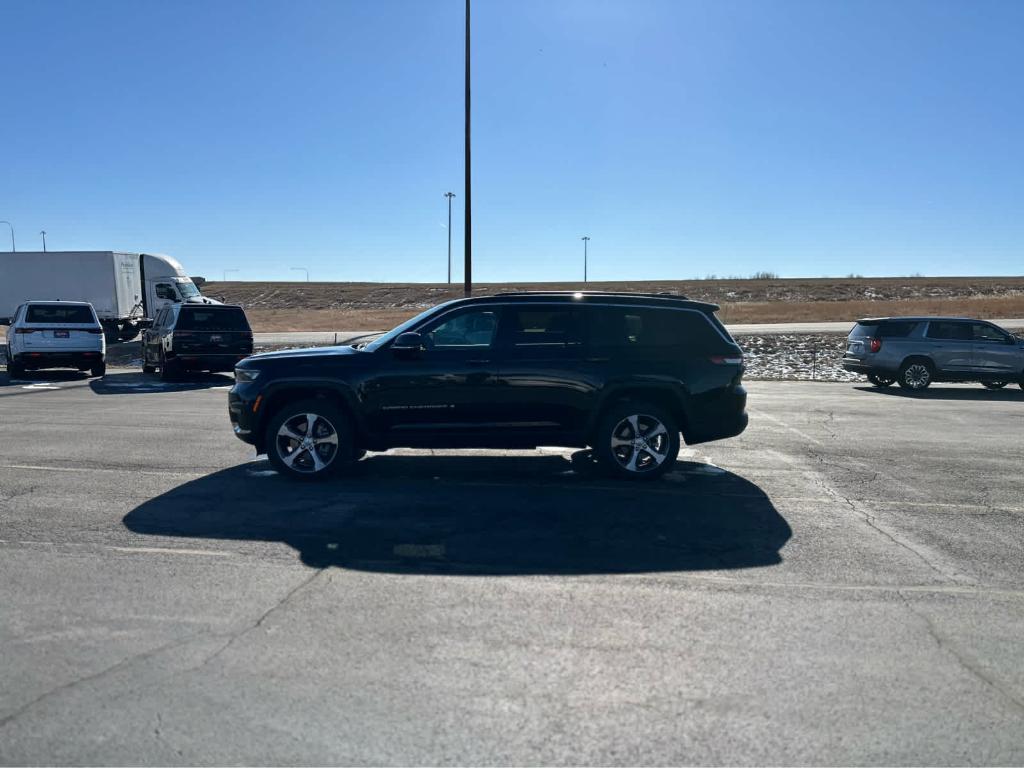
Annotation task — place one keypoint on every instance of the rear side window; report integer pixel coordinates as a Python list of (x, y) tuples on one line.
[(864, 330), (542, 327), (896, 330), (629, 328), (59, 313), (204, 319), (949, 331)]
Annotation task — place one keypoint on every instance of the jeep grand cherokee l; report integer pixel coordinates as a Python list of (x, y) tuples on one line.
[(915, 351), (622, 373)]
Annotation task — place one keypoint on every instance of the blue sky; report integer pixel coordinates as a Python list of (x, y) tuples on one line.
[(685, 138)]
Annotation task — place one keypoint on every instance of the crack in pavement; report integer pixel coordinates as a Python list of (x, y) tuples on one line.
[(943, 645), (236, 636), (8, 719)]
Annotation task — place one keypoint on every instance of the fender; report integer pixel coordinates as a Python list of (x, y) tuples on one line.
[(665, 390), (334, 388)]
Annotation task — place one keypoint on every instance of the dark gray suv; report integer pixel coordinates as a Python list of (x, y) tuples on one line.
[(915, 351)]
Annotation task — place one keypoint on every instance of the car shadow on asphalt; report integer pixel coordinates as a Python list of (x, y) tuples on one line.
[(137, 383), (38, 377), (459, 514), (1012, 392)]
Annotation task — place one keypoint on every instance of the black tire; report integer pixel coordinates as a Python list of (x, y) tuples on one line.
[(293, 457), (994, 384), (916, 375), (147, 368), (100, 369), (617, 451), (168, 370), (881, 381), (15, 370)]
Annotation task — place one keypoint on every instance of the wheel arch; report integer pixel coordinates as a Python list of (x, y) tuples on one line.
[(666, 397), (281, 394)]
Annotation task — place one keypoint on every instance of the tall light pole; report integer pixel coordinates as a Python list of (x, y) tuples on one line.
[(585, 240), (468, 234), (225, 275), (13, 249), (449, 195), (302, 269), (43, 233)]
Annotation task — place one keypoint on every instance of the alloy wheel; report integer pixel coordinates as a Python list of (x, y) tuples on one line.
[(307, 443), (917, 376), (640, 443)]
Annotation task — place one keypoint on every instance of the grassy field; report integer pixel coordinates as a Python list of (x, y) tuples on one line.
[(375, 306)]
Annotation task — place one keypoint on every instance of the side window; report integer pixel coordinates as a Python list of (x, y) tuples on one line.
[(897, 330), (951, 331), (542, 328), (984, 332), (625, 327), (465, 330), (166, 291)]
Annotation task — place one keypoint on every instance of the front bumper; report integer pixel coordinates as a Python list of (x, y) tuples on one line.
[(243, 413)]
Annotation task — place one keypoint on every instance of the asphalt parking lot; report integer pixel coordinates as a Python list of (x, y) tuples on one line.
[(842, 584)]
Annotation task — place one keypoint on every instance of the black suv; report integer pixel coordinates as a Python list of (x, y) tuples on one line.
[(623, 373), (196, 337)]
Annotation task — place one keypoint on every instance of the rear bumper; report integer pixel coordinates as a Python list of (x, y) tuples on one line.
[(77, 359), (725, 416), (218, 363)]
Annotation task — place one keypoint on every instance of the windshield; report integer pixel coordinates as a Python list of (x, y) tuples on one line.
[(187, 288), (381, 341)]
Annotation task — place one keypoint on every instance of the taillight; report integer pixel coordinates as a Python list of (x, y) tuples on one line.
[(182, 334), (24, 330), (875, 345), (722, 360), (96, 331)]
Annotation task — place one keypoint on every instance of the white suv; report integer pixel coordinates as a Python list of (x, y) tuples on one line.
[(55, 334)]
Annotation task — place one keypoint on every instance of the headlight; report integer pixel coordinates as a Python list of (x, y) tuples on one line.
[(246, 374)]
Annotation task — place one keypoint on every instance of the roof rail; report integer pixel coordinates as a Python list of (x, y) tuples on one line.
[(660, 295)]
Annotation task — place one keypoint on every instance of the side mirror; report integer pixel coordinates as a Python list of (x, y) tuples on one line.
[(408, 343), (1012, 340)]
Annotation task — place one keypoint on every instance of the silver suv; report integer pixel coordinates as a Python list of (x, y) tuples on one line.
[(915, 351)]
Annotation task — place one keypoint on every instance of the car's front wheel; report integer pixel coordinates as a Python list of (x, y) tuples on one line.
[(994, 384), (310, 440), (916, 375), (881, 381), (637, 441)]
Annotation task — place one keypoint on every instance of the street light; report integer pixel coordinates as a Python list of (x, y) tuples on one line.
[(225, 275), (585, 240), (449, 195), (468, 233), (43, 233), (13, 249), (302, 269)]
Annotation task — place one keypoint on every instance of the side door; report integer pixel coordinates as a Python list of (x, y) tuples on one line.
[(441, 394), (14, 339), (996, 352), (541, 385), (950, 345)]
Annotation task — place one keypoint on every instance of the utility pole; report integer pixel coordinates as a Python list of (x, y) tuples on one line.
[(468, 235), (585, 240), (12, 249), (43, 233), (449, 195)]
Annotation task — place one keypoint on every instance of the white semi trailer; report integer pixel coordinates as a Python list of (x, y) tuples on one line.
[(126, 289)]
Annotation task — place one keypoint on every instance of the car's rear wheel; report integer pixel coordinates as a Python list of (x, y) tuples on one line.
[(916, 375), (994, 384), (168, 370), (310, 440), (100, 369), (146, 368), (15, 370), (637, 441), (881, 381)]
